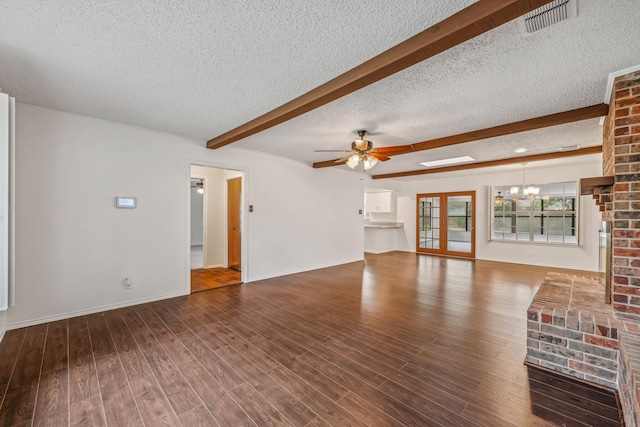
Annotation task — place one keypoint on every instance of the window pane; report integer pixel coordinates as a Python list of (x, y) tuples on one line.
[(548, 217)]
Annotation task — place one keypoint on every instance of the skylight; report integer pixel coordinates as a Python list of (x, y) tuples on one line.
[(449, 161)]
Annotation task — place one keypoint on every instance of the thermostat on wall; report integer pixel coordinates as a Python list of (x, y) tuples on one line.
[(126, 202)]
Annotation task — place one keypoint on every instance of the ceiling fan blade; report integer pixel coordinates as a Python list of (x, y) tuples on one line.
[(344, 159), (333, 151), (396, 149), (381, 157)]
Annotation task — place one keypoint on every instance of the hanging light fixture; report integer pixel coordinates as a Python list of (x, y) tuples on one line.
[(499, 199), (200, 186), (527, 191)]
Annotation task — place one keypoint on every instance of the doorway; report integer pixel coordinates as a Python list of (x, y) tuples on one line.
[(446, 224), (213, 263)]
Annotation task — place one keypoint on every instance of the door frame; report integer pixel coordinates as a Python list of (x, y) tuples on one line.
[(226, 220), (443, 224), (244, 219)]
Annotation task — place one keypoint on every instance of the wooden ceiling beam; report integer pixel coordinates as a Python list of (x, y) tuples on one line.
[(480, 17), (501, 162), (556, 119)]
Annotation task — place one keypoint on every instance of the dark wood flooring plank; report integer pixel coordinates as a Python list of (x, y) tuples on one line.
[(118, 402), (83, 382), (130, 355), (241, 364), (221, 371), (175, 387), (318, 422), (9, 350), (56, 347), (168, 318), (152, 404), (100, 338), (275, 352), (292, 408), (19, 401), (314, 399), (228, 413), (249, 351), (170, 342), (138, 328), (198, 417), (52, 402), (368, 413), (257, 407), (364, 373), (592, 393), (87, 412)]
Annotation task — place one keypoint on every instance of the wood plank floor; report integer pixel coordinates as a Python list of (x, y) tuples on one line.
[(203, 279), (402, 339)]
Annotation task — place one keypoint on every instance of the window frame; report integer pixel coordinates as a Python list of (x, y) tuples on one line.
[(536, 216)]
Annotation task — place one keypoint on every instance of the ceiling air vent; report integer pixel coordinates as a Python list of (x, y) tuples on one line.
[(548, 15)]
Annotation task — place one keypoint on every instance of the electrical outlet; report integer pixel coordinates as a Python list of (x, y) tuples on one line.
[(128, 282)]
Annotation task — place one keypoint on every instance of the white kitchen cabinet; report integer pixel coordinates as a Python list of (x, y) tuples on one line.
[(378, 202)]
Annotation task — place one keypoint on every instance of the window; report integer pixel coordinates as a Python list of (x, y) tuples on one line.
[(551, 216)]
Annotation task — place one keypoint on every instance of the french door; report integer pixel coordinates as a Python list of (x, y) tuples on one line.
[(446, 223)]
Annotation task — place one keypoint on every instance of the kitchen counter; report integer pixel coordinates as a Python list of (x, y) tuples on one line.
[(383, 225), (381, 236)]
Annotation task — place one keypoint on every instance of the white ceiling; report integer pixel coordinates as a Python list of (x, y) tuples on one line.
[(201, 68)]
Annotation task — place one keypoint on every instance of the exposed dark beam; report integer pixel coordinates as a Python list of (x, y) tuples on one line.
[(501, 162), (480, 17), (576, 115)]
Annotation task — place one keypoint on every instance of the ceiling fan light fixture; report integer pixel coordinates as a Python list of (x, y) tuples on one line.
[(353, 161), (369, 162)]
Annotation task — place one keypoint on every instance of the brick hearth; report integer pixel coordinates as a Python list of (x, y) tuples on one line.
[(571, 330)]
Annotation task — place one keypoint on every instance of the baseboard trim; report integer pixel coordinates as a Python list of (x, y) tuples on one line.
[(215, 266), (93, 310)]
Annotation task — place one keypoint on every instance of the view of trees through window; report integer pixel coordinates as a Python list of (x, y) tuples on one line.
[(551, 216), (459, 216)]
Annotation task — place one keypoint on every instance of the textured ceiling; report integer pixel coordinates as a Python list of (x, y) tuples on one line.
[(201, 68)]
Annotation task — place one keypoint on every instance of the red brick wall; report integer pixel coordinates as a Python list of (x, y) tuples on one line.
[(624, 120)]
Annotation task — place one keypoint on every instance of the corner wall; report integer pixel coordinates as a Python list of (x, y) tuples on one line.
[(73, 247)]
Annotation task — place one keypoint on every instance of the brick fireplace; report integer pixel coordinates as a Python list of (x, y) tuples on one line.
[(621, 159), (570, 328)]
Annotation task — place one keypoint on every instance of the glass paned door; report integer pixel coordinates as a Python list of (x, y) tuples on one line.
[(446, 223), (429, 226)]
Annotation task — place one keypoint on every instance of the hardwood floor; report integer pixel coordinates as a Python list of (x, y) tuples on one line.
[(402, 339), (203, 279)]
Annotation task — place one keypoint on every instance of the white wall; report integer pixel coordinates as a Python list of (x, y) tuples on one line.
[(73, 247), (197, 212), (584, 257)]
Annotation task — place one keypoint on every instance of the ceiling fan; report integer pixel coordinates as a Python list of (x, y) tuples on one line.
[(362, 152)]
